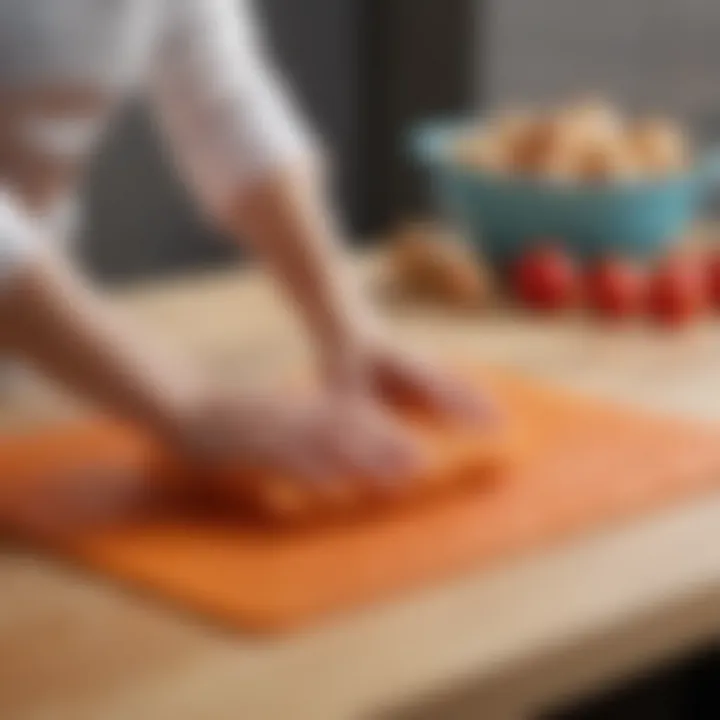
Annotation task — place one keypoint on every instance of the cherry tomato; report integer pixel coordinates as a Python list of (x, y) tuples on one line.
[(712, 278), (546, 278), (616, 288), (678, 291)]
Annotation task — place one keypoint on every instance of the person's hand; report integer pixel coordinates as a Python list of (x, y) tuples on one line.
[(321, 442), (316, 440), (376, 367)]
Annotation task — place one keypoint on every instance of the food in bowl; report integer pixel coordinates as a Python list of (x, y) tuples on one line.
[(659, 146), (586, 142)]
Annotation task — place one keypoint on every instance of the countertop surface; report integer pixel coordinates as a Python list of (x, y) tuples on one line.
[(496, 644)]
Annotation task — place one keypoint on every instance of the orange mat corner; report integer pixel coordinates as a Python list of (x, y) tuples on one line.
[(586, 464)]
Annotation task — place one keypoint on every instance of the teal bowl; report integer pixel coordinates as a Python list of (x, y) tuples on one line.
[(504, 216)]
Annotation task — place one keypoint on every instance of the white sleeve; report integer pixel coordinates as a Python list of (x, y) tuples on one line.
[(18, 237), (224, 107)]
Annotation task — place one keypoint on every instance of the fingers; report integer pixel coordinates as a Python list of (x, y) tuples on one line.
[(304, 462), (452, 397), (371, 447), (331, 450), (415, 383), (337, 453)]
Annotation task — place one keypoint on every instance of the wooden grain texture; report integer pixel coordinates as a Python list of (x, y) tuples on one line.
[(522, 635)]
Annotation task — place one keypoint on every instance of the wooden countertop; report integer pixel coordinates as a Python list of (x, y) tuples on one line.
[(499, 643)]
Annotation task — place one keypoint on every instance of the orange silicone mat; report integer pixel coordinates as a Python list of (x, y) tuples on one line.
[(584, 465)]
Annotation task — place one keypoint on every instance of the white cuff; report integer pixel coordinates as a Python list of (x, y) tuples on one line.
[(18, 237)]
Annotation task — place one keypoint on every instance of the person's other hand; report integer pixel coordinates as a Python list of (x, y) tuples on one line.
[(316, 440), (381, 369), (325, 443)]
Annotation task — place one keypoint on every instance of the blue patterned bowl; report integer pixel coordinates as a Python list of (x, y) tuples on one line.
[(506, 215)]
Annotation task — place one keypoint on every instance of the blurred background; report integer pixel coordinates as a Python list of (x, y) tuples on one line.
[(364, 70)]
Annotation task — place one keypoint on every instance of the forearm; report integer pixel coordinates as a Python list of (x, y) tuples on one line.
[(53, 320), (284, 218), (245, 151)]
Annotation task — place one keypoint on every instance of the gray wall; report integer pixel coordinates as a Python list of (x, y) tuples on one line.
[(139, 220), (647, 53)]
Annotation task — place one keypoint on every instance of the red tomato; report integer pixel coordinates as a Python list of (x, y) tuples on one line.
[(678, 291), (546, 279), (616, 288), (712, 278)]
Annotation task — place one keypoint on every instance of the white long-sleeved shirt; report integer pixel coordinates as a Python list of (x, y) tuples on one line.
[(224, 108)]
